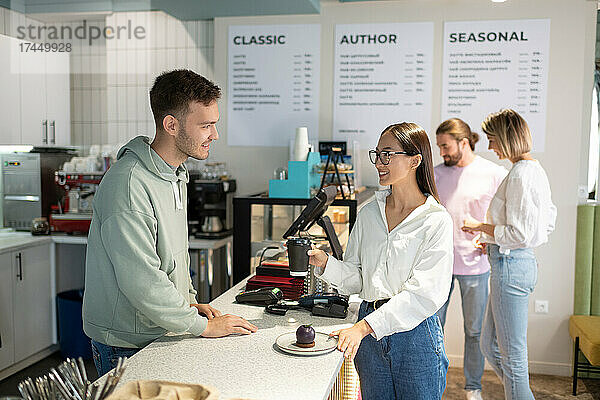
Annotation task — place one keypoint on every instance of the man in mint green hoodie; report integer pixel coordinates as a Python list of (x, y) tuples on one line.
[(137, 283)]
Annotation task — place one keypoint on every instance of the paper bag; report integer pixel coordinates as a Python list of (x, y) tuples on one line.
[(163, 390)]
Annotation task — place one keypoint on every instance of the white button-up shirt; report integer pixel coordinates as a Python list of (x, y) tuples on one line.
[(522, 209), (411, 265)]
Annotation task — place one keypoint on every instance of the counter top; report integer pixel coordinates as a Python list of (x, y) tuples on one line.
[(10, 241), (249, 367), (63, 238)]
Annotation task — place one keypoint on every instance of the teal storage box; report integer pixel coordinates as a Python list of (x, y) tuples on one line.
[(302, 176)]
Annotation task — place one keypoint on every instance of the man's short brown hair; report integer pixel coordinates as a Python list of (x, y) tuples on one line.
[(173, 91)]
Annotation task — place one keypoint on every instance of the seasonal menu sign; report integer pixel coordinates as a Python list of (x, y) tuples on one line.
[(273, 83), (382, 75), (489, 65)]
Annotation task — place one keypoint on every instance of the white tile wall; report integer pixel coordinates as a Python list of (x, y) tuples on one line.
[(2, 24), (191, 28), (132, 66), (103, 103), (89, 115)]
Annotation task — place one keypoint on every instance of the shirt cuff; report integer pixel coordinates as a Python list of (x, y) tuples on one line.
[(376, 322), (498, 231), (330, 271), (199, 326)]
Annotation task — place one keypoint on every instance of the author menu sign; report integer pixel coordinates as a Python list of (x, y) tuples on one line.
[(382, 75), (273, 83), (489, 65)]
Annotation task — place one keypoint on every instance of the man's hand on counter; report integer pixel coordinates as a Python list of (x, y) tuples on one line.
[(226, 325), (206, 310)]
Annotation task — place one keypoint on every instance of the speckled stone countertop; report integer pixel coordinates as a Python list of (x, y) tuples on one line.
[(10, 241), (245, 367)]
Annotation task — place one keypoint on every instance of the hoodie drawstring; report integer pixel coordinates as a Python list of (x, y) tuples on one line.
[(177, 194)]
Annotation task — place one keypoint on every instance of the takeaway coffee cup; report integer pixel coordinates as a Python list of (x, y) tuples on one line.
[(297, 255)]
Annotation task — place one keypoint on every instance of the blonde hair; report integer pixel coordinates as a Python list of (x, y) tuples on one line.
[(510, 131), (459, 130)]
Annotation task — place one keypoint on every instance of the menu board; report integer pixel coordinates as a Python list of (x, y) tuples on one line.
[(382, 75), (273, 83), (489, 65)]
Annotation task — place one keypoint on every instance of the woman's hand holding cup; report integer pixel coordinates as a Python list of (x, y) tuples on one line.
[(471, 225), (318, 258)]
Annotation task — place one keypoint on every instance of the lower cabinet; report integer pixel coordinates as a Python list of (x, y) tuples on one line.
[(7, 345), (32, 294), (25, 303)]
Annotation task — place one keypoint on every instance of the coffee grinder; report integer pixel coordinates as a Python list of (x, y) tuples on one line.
[(210, 207)]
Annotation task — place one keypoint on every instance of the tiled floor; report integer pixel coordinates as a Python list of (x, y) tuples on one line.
[(545, 387)]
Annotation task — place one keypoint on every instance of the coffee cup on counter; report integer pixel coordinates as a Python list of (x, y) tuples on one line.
[(298, 255)]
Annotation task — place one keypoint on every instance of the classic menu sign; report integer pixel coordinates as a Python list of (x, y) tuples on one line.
[(382, 75), (273, 83), (489, 65)]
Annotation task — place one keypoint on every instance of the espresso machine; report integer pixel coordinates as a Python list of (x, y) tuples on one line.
[(74, 213), (210, 206)]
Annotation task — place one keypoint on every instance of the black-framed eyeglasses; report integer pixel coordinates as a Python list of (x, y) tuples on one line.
[(384, 156)]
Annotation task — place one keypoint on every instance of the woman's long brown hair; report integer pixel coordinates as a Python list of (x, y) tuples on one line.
[(413, 139)]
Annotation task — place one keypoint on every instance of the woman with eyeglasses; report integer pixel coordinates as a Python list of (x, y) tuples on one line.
[(520, 217), (399, 260)]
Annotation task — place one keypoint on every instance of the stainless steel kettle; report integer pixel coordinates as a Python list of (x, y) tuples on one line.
[(212, 224)]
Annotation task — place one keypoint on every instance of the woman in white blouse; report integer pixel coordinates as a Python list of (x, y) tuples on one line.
[(399, 260), (520, 217)]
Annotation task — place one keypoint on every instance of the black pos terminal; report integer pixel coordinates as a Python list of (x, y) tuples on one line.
[(314, 212), (323, 304)]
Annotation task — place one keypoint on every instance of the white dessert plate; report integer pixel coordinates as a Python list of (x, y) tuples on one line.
[(323, 344)]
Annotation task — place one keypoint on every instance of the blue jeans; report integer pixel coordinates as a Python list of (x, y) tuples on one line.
[(474, 296), (504, 334), (106, 357), (408, 365)]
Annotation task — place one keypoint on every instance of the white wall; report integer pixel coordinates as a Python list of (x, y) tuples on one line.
[(88, 88), (572, 41), (112, 78), (132, 66)]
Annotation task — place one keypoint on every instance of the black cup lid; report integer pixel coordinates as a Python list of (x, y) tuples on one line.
[(299, 241)]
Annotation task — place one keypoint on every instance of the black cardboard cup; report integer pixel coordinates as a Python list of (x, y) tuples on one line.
[(298, 256)]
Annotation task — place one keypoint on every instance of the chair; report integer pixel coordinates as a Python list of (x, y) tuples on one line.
[(585, 331)]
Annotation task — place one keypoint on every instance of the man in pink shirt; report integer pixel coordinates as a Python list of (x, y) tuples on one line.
[(466, 184)]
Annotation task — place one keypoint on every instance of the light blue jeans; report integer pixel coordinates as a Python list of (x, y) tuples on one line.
[(504, 334), (408, 365), (474, 296)]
